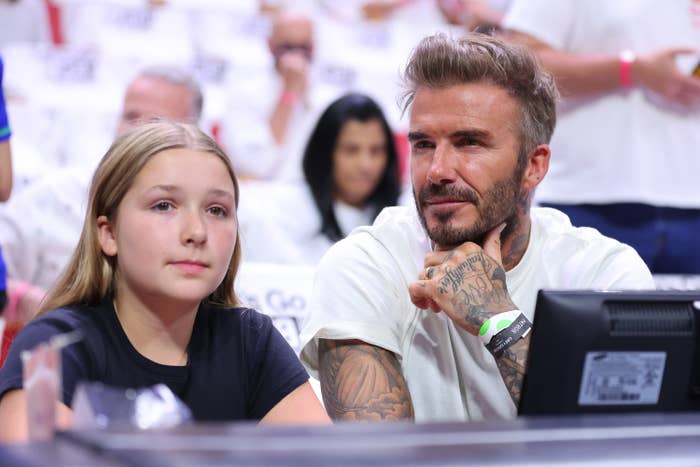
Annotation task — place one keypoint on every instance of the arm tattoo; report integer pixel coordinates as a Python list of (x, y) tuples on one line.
[(362, 382), (512, 367)]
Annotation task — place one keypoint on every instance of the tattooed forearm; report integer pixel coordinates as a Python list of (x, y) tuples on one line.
[(512, 367), (362, 382)]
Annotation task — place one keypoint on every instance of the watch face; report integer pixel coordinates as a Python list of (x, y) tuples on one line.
[(696, 70)]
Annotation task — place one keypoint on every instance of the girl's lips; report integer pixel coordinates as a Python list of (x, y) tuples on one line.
[(190, 267)]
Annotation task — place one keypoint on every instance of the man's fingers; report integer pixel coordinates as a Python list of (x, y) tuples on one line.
[(435, 257), (419, 291), (492, 243)]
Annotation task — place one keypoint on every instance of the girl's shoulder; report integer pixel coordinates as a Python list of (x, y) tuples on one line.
[(68, 318), (239, 317), (92, 323)]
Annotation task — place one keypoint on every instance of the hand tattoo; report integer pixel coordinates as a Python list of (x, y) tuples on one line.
[(478, 287)]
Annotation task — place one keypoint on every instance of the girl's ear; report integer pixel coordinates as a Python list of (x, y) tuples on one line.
[(105, 235)]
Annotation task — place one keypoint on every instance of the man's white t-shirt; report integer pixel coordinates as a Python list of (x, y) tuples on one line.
[(361, 292)]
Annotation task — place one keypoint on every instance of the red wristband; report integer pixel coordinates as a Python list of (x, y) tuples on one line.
[(288, 98), (627, 58)]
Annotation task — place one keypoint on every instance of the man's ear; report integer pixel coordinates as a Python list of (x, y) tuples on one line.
[(105, 235), (537, 166)]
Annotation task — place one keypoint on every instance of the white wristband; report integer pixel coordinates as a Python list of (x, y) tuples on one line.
[(496, 324)]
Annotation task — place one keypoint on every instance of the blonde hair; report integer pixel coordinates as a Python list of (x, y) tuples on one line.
[(89, 276)]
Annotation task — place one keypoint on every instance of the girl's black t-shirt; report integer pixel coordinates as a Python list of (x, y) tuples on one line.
[(239, 366)]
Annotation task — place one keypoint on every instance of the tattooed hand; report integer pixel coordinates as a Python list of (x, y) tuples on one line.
[(468, 283)]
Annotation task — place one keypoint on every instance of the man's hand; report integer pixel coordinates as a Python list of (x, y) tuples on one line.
[(468, 283), (657, 71), (294, 68)]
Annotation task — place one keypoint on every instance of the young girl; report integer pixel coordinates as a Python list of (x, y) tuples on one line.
[(150, 288)]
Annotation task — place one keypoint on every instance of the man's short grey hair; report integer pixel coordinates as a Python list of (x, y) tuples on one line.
[(179, 77), (440, 61)]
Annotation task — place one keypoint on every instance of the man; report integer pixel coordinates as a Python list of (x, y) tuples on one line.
[(481, 115), (39, 228), (161, 92), (626, 146), (267, 134)]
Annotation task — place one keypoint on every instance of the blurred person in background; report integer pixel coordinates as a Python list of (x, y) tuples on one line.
[(474, 15), (40, 227), (275, 112), (5, 152), (360, 178), (626, 144), (5, 178), (23, 21), (351, 173)]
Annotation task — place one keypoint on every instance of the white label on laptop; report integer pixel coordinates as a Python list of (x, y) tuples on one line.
[(622, 378)]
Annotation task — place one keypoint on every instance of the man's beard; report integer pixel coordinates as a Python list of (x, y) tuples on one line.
[(499, 204)]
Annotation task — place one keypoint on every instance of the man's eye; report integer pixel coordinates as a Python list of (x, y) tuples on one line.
[(469, 142), (422, 145)]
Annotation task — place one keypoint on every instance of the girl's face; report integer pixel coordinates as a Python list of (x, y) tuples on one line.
[(175, 229), (359, 161)]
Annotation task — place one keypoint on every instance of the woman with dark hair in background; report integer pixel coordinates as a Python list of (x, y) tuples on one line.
[(350, 164), (351, 170)]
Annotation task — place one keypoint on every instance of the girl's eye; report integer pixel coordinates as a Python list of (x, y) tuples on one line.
[(163, 206), (217, 211)]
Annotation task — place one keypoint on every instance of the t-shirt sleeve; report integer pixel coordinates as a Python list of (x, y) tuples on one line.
[(74, 367), (623, 269), (592, 261), (274, 370), (359, 293)]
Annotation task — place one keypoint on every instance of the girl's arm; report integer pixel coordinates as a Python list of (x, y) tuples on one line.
[(300, 406), (13, 413)]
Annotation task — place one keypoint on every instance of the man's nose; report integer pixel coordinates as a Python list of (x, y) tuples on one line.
[(442, 166)]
